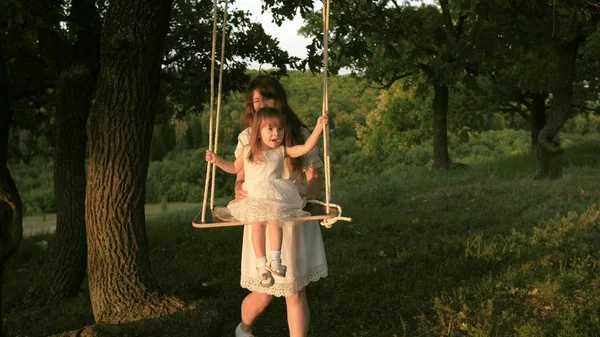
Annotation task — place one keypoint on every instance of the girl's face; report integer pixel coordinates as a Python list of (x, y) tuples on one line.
[(258, 101), (271, 135)]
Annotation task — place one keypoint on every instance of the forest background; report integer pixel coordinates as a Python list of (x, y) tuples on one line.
[(464, 144)]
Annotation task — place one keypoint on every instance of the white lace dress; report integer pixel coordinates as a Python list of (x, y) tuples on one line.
[(270, 197), (302, 251)]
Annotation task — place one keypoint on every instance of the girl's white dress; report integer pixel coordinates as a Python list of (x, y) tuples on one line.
[(302, 251), (270, 197)]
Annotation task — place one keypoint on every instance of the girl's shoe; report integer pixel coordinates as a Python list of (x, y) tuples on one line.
[(276, 268), (265, 279), (240, 333)]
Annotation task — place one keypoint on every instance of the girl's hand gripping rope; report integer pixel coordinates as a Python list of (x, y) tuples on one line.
[(211, 157)]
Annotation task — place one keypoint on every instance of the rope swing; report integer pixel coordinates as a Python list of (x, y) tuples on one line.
[(327, 212), (211, 168)]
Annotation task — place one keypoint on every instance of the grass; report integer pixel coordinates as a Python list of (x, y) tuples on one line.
[(484, 251), (39, 224)]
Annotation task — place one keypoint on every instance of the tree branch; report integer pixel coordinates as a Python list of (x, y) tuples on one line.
[(395, 78), (597, 4), (514, 108), (585, 108), (460, 26), (396, 4), (178, 56), (446, 16)]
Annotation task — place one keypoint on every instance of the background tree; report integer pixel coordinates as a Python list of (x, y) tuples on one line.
[(387, 41), (187, 60), (567, 26), (515, 65), (11, 207), (61, 104), (64, 270), (30, 54)]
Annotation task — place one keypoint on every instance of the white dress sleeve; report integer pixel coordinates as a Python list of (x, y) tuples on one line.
[(243, 141)]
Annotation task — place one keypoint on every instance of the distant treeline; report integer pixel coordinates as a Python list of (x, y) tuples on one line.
[(372, 130)]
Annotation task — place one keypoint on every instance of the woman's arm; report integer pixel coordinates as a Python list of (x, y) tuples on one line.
[(239, 192), (313, 182)]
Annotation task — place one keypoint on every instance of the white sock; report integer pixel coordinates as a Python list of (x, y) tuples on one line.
[(276, 256), (261, 262)]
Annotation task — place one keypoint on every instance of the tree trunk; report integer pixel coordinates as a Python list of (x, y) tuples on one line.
[(441, 158), (538, 116), (11, 206), (549, 152), (122, 286), (63, 272)]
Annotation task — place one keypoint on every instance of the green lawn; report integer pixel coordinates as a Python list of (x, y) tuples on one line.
[(38, 224), (483, 251)]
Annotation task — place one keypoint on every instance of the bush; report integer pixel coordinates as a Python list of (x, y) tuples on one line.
[(35, 182), (181, 177)]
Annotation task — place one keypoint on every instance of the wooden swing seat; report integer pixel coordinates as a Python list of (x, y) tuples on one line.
[(317, 212)]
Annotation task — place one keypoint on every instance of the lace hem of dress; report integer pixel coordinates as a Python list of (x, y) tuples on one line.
[(285, 288)]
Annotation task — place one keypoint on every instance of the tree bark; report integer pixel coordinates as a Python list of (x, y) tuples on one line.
[(441, 158), (549, 152), (538, 116), (11, 206), (63, 272), (122, 286)]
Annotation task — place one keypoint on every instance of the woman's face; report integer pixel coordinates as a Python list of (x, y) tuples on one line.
[(258, 101)]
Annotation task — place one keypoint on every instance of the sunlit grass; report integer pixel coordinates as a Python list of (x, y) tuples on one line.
[(483, 251)]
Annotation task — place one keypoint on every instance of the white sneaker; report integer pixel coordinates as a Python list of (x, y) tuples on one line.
[(240, 333)]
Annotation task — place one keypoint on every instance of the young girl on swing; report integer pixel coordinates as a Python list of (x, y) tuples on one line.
[(271, 199)]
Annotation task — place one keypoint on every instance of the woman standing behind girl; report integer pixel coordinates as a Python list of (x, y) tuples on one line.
[(303, 249), (271, 200)]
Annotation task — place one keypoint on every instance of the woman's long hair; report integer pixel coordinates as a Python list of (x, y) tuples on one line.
[(270, 88)]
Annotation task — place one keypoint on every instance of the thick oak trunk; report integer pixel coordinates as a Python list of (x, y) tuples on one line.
[(11, 206), (549, 152), (122, 287), (63, 272), (441, 158), (538, 116)]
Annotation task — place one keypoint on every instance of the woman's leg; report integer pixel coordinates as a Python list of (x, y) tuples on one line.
[(252, 306), (298, 314)]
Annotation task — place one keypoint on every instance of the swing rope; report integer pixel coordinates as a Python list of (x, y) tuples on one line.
[(210, 167), (219, 98), (325, 110), (328, 223)]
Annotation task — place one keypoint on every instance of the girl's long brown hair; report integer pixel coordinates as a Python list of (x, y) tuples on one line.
[(270, 88), (263, 117)]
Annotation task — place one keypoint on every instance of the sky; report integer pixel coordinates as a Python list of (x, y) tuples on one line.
[(287, 34)]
